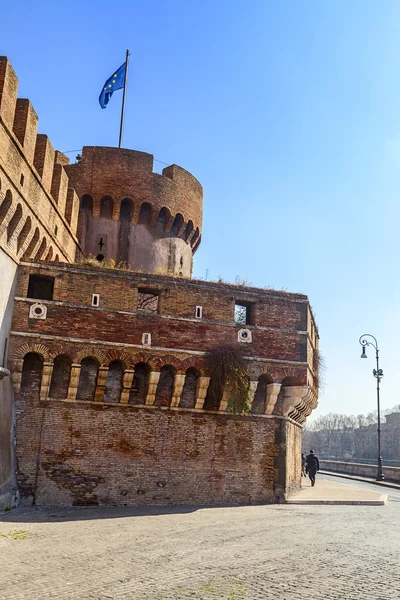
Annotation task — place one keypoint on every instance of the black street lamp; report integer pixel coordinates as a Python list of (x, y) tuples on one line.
[(378, 374)]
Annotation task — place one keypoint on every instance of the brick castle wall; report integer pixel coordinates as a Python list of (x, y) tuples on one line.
[(107, 431), (127, 456)]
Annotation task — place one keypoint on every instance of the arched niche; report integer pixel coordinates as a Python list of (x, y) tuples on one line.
[(86, 204), (113, 388), (126, 210), (32, 245), (14, 222), (176, 225), (31, 376), (162, 220), (42, 249), (165, 386), (188, 396), (88, 378), (106, 207), (60, 377), (24, 233), (145, 214), (140, 384), (5, 206), (260, 397), (188, 230)]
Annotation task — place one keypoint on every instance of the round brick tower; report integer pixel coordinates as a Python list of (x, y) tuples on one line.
[(129, 213)]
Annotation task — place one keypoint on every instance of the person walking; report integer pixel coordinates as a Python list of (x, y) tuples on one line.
[(312, 466)]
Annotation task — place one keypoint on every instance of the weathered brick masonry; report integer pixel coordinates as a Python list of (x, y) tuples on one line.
[(167, 444), (109, 365)]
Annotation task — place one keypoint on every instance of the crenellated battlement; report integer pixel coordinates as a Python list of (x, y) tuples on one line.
[(130, 213), (128, 174), (35, 195)]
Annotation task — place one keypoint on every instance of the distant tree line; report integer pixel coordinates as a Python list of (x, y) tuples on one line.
[(354, 438)]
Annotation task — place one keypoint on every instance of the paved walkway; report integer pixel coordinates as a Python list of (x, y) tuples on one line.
[(385, 483), (331, 492), (286, 552)]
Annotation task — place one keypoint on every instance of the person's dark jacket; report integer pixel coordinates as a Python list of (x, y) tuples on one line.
[(312, 463)]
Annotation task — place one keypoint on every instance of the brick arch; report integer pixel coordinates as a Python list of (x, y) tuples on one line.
[(24, 233), (127, 198), (106, 207), (61, 376), (154, 362), (32, 245), (86, 203), (124, 357), (194, 363), (42, 250), (5, 206), (32, 347), (126, 210), (197, 244), (260, 395), (61, 349), (189, 390), (177, 225), (91, 352), (142, 357), (146, 213), (14, 221), (188, 230), (290, 380), (195, 237), (163, 218), (165, 385), (173, 361)]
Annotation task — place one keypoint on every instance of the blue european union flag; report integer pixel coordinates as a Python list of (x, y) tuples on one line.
[(115, 82)]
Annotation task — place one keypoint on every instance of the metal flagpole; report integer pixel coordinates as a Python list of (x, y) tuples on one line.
[(123, 100)]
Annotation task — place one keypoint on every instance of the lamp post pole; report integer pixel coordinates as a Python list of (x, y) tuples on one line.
[(378, 374)]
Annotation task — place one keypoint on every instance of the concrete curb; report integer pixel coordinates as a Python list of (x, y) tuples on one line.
[(380, 502), (387, 484)]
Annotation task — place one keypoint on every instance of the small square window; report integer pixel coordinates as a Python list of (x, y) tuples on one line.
[(40, 287), (147, 300), (243, 313)]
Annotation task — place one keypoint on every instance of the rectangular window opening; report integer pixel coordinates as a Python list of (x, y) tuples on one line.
[(199, 312), (95, 299), (243, 313), (147, 300), (40, 287)]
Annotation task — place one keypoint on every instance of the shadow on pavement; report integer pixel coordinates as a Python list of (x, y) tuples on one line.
[(46, 514)]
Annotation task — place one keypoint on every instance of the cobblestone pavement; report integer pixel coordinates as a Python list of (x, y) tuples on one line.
[(237, 553)]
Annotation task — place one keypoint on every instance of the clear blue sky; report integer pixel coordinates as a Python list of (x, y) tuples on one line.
[(288, 112)]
